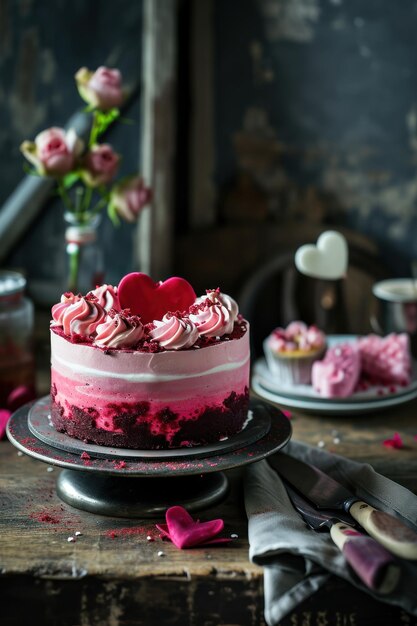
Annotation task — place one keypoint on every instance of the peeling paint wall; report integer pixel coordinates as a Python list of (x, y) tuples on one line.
[(42, 44), (316, 103)]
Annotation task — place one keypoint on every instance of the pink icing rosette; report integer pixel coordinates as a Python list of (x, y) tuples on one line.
[(107, 297), (297, 336), (215, 314), (82, 317), (58, 309), (119, 331), (174, 333)]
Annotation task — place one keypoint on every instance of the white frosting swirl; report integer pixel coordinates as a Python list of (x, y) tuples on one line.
[(82, 317), (215, 314), (107, 297), (58, 309), (119, 331), (174, 333)]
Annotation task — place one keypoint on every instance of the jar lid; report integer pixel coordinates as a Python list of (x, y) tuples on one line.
[(11, 283)]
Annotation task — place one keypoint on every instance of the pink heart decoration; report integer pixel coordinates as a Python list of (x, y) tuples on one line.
[(184, 532), (4, 418), (150, 300)]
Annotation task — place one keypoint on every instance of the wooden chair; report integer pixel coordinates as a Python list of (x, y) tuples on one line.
[(276, 294)]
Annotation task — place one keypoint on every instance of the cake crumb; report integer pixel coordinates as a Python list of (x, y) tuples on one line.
[(234, 536), (160, 553), (49, 469), (321, 444), (78, 533), (71, 539), (20, 453), (336, 441)]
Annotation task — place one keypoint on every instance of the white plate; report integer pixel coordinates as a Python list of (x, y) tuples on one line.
[(264, 383)]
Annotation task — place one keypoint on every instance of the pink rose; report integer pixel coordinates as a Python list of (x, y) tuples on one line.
[(102, 89), (129, 197), (54, 151), (100, 165)]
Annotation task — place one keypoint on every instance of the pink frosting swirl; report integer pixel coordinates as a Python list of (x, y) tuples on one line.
[(297, 336), (119, 331), (82, 317), (214, 315), (174, 333), (58, 309), (107, 297)]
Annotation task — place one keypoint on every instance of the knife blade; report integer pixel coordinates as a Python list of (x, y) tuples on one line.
[(325, 492), (372, 563)]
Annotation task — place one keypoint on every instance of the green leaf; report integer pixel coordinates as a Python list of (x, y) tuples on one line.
[(111, 212), (70, 179)]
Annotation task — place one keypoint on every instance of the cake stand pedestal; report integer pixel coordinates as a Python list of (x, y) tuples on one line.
[(139, 497), (144, 483)]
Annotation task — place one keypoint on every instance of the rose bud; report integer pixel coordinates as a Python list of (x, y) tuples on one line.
[(99, 165), (54, 151), (101, 89), (128, 198)]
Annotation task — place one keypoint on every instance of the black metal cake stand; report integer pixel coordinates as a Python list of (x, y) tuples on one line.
[(144, 483)]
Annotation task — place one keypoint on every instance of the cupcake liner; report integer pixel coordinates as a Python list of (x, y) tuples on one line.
[(292, 370)]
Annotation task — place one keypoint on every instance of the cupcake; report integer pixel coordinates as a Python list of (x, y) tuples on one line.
[(290, 352)]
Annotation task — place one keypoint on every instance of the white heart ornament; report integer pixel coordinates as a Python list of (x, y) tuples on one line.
[(328, 259)]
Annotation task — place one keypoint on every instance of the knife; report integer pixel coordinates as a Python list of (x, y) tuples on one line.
[(326, 493), (374, 565)]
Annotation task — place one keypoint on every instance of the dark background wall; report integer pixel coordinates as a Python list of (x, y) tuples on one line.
[(316, 104), (42, 45), (315, 115)]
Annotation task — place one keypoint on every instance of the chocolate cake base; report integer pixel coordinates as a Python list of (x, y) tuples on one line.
[(210, 426)]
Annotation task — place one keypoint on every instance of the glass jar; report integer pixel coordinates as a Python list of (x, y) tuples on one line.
[(17, 366), (84, 255)]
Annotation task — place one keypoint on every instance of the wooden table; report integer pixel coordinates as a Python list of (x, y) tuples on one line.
[(113, 575)]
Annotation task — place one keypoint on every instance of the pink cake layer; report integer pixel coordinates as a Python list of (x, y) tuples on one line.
[(149, 400)]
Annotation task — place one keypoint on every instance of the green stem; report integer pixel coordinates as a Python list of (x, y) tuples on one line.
[(74, 266), (65, 197), (100, 204), (87, 199)]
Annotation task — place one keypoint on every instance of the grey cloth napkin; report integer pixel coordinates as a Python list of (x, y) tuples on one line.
[(297, 561)]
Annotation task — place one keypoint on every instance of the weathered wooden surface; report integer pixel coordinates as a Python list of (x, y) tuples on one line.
[(113, 575), (114, 558)]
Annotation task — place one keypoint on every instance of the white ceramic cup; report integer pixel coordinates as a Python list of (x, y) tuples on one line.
[(396, 308)]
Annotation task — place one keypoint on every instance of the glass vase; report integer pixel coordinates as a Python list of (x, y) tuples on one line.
[(84, 256)]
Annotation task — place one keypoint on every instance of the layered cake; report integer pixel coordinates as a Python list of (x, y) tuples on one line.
[(291, 352), (337, 375), (149, 365)]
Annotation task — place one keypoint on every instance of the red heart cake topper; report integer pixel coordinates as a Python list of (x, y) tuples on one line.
[(139, 293)]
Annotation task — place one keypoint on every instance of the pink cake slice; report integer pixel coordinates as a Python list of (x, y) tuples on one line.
[(387, 359), (337, 374)]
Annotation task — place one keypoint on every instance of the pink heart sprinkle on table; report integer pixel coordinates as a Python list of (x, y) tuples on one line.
[(150, 300), (184, 532), (396, 442)]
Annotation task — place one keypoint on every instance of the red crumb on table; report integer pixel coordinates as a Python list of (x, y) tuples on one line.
[(45, 518), (395, 442), (127, 532), (85, 455), (119, 464)]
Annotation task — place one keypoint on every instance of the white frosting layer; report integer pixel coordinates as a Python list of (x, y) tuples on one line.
[(144, 377), (80, 360)]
